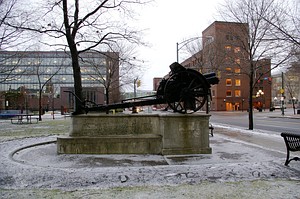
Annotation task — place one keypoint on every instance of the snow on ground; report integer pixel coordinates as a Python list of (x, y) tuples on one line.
[(237, 168)]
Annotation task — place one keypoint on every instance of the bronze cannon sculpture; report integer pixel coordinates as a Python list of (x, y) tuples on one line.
[(183, 90)]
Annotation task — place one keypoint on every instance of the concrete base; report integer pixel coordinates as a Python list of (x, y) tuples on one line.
[(117, 144), (167, 134)]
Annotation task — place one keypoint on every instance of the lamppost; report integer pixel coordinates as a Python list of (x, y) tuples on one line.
[(282, 94), (282, 105), (134, 86), (260, 93), (52, 102), (243, 100), (294, 100), (224, 100), (275, 101), (26, 103), (185, 42)]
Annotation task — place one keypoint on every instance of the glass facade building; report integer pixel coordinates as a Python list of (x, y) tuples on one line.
[(29, 71)]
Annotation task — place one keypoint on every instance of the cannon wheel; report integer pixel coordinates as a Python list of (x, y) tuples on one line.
[(186, 91)]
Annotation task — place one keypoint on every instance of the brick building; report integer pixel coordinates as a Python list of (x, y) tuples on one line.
[(225, 53)]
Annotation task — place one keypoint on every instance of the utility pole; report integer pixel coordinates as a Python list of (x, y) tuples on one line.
[(282, 94)]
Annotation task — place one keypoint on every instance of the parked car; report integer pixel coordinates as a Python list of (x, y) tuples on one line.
[(277, 107)]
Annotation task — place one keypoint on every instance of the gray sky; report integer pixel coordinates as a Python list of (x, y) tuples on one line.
[(165, 22), (168, 22)]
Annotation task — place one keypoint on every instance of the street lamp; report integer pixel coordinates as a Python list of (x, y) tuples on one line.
[(282, 94), (185, 42), (134, 86), (260, 93), (52, 96), (26, 103), (243, 100), (282, 105), (294, 100)]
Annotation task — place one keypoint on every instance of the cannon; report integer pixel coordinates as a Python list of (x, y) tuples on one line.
[(183, 90)]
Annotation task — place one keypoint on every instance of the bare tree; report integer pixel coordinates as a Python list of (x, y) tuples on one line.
[(291, 87), (205, 55), (84, 27), (292, 75), (9, 37), (121, 69), (131, 67), (261, 43), (108, 76), (287, 23), (44, 77), (194, 52), (7, 67)]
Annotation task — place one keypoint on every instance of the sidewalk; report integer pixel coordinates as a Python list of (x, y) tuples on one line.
[(288, 113), (235, 169)]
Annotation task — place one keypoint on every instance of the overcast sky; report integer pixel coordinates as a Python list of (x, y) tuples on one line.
[(168, 22)]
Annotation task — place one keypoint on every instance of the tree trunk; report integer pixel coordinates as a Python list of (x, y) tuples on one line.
[(107, 98), (70, 35), (40, 105), (77, 82), (250, 111), (250, 97)]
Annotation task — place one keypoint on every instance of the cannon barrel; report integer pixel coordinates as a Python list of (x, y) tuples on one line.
[(183, 90), (122, 105), (126, 105), (211, 78)]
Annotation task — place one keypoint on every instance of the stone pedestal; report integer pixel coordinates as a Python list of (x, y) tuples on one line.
[(185, 134), (137, 134)]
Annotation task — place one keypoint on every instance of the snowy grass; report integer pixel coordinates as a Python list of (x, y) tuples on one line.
[(262, 188), (46, 127)]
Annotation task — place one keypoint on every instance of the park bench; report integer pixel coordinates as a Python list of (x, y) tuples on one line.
[(292, 142), (211, 128), (23, 119)]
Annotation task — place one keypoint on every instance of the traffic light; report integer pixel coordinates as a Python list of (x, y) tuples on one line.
[(138, 83)]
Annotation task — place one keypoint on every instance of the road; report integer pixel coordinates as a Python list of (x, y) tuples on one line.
[(269, 122)]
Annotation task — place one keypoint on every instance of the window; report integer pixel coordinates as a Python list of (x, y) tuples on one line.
[(228, 93), (237, 70), (232, 37), (238, 61), (237, 93), (228, 69), (227, 48), (237, 82), (237, 49), (228, 82)]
